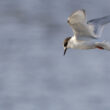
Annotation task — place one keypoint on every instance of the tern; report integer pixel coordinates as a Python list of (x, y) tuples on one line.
[(86, 33)]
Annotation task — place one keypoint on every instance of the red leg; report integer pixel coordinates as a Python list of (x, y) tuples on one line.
[(99, 47)]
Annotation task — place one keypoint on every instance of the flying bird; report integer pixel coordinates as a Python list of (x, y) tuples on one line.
[(86, 33)]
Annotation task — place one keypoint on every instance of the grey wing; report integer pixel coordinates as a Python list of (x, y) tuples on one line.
[(79, 25), (97, 25)]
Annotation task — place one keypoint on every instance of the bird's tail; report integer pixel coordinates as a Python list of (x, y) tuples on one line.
[(103, 45)]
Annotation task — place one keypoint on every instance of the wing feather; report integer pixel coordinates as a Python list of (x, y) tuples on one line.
[(76, 17), (98, 24), (92, 28), (79, 24)]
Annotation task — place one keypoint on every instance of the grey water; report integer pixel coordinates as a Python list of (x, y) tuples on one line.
[(34, 74)]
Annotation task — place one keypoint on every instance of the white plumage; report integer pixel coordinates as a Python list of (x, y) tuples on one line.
[(86, 32)]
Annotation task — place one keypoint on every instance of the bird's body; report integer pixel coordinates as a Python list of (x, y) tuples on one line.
[(80, 44), (86, 33)]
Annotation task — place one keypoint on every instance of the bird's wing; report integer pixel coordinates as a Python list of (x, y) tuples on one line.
[(97, 25), (79, 24), (77, 16)]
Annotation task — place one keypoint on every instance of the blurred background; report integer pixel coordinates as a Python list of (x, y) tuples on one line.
[(34, 74)]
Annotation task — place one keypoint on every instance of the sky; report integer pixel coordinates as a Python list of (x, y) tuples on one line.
[(34, 74)]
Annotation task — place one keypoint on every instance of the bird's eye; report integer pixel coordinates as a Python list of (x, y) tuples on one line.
[(65, 44)]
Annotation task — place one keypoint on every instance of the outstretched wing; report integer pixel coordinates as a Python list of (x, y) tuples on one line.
[(78, 16), (97, 25), (79, 24)]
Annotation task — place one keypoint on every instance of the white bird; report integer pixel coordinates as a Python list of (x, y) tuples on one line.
[(86, 33)]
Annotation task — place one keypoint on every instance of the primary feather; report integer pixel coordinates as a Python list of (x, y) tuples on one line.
[(98, 24)]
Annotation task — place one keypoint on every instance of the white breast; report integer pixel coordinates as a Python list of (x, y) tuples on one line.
[(81, 44)]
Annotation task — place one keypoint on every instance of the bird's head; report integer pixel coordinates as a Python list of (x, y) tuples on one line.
[(65, 44)]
